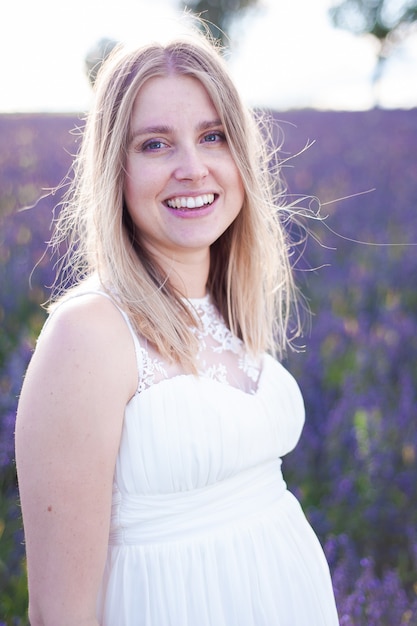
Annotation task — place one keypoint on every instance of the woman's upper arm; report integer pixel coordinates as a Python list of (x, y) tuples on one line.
[(67, 435)]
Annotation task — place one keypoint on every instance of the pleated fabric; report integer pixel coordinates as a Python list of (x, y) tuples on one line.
[(204, 531)]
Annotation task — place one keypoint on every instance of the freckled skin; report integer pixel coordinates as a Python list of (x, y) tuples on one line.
[(179, 150)]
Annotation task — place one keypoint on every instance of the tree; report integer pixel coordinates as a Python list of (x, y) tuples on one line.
[(387, 20), (96, 56), (219, 14)]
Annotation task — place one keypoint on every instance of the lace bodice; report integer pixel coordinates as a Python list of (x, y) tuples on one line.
[(203, 531), (221, 356)]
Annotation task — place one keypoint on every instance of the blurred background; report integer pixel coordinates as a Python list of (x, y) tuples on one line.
[(339, 82), (283, 53)]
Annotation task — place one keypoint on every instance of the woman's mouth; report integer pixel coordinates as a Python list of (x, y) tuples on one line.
[(190, 202)]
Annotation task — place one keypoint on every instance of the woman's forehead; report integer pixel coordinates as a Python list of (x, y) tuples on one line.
[(162, 98)]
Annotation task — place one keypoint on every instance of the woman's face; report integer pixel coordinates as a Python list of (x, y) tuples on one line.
[(182, 187)]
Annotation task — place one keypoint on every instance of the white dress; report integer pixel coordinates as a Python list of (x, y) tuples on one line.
[(203, 529)]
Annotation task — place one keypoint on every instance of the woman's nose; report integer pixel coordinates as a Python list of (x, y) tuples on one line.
[(191, 165)]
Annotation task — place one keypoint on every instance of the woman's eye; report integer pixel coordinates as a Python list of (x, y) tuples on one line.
[(153, 145), (214, 137)]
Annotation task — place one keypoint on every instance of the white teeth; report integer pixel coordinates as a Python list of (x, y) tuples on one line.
[(191, 202)]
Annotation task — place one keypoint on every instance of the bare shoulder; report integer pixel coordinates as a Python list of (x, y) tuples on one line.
[(89, 332), (80, 378), (87, 314)]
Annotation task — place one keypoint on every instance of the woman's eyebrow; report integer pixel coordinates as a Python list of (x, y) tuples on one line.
[(151, 130), (209, 124), (166, 130)]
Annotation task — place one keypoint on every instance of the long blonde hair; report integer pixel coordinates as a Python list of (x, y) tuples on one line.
[(250, 278)]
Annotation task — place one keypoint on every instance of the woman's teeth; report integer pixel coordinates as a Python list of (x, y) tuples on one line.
[(191, 202)]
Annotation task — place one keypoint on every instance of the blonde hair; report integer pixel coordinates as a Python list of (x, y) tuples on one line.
[(250, 278)]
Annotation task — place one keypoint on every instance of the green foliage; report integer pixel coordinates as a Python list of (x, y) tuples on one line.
[(96, 56), (219, 14), (387, 20), (13, 581), (376, 17)]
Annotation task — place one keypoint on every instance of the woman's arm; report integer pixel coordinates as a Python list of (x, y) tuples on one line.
[(68, 427)]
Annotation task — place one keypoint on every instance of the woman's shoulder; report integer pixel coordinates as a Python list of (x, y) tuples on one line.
[(87, 326), (88, 304), (83, 310), (90, 286)]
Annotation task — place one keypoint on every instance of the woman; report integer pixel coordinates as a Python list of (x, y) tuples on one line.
[(152, 420)]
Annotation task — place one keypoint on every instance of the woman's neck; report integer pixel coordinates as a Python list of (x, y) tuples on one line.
[(188, 274)]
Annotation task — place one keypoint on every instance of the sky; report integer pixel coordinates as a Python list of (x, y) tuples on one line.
[(285, 55)]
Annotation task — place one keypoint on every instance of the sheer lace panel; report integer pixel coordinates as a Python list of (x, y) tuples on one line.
[(221, 356)]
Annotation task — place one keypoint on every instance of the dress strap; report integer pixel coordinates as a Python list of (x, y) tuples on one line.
[(98, 292)]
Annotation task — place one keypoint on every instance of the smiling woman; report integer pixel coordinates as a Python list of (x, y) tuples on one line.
[(153, 415), (182, 187)]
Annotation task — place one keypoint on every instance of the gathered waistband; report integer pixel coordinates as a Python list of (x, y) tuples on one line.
[(145, 519)]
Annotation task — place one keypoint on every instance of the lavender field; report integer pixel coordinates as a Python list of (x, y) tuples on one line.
[(355, 468)]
